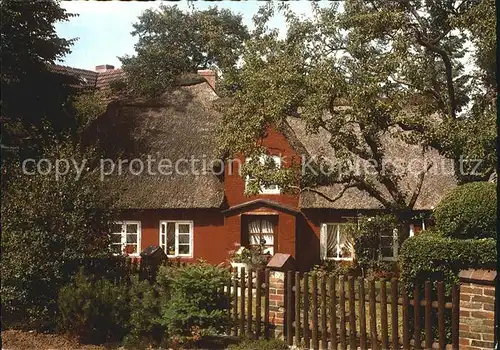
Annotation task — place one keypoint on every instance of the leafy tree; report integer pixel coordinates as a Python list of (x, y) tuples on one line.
[(360, 72), (172, 42), (49, 227), (35, 99)]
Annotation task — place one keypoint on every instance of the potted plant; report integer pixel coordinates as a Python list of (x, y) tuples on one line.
[(249, 258)]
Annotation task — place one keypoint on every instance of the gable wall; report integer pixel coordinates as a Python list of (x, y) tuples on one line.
[(234, 184)]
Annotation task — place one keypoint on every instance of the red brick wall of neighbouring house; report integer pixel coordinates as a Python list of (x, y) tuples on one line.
[(234, 184), (477, 309)]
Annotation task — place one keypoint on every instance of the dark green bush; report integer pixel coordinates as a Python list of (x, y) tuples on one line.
[(144, 324), (468, 211), (93, 310), (49, 227), (197, 306), (429, 256)]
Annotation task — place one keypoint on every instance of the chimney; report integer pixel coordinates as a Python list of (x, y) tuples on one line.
[(209, 76), (104, 68)]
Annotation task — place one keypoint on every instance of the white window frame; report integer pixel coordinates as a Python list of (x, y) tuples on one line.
[(323, 242), (264, 189), (395, 247), (191, 239), (124, 223), (412, 230)]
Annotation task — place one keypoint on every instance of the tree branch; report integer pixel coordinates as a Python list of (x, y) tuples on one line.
[(323, 195), (448, 68), (418, 188)]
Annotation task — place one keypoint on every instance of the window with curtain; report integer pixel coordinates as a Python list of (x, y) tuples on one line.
[(176, 238), (336, 242), (261, 234)]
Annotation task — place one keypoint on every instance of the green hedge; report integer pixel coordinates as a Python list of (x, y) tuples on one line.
[(468, 211), (430, 256)]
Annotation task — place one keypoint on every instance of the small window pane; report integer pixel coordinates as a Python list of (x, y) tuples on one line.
[(170, 238), (183, 238), (116, 228), (131, 238), (131, 249), (132, 228), (116, 238), (387, 252), (184, 228), (183, 249)]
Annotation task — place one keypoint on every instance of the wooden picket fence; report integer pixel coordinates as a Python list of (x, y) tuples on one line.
[(327, 312)]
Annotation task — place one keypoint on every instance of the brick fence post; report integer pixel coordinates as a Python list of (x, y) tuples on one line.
[(277, 302), (477, 309)]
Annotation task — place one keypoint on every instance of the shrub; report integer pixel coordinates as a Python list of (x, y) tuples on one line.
[(49, 226), (430, 256), (144, 324), (468, 211), (197, 306), (93, 310)]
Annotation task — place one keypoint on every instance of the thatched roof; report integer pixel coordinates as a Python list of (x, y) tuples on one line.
[(439, 179), (179, 124)]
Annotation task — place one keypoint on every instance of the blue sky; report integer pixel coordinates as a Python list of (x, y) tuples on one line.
[(103, 28)]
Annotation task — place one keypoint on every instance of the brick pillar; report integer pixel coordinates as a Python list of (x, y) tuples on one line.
[(477, 309), (277, 302)]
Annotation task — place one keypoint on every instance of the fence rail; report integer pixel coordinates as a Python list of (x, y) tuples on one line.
[(327, 312)]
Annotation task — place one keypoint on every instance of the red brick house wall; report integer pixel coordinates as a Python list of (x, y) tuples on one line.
[(234, 185)]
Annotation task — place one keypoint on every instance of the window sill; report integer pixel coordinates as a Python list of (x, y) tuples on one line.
[(337, 259)]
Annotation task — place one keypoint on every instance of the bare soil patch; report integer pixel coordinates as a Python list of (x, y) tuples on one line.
[(15, 339)]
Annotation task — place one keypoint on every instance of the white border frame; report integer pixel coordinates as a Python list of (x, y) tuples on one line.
[(191, 240)]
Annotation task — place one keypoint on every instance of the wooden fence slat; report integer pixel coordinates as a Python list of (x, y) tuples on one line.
[(362, 314), (373, 316), (416, 318), (315, 340), (229, 295), (406, 319), (324, 330), (242, 300), (297, 308), (428, 315), (235, 302), (394, 313), (289, 308), (333, 313), (352, 312), (383, 315), (307, 339), (258, 304), (266, 303), (441, 302), (342, 329), (249, 302), (455, 311)]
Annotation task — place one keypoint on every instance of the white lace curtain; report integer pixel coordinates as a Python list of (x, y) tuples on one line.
[(261, 231), (336, 242)]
